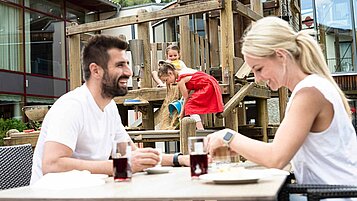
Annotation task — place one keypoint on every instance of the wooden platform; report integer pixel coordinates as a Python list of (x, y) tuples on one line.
[(159, 94)]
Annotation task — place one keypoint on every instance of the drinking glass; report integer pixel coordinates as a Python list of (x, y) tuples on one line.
[(198, 156), (121, 154), (221, 159)]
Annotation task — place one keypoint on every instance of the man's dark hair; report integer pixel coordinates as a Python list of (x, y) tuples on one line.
[(96, 51)]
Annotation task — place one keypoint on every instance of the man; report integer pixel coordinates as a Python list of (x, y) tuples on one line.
[(78, 131)]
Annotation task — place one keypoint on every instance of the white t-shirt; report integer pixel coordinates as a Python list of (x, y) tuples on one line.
[(328, 157), (76, 121)]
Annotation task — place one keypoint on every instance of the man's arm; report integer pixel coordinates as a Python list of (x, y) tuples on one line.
[(57, 158)]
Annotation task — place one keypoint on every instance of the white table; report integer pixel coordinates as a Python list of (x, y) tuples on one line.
[(176, 185)]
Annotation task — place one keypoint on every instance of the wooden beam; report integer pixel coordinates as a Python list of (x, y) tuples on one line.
[(243, 71), (234, 101), (75, 62), (245, 11), (145, 17)]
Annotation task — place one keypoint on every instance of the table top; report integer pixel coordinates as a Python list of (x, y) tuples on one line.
[(175, 185)]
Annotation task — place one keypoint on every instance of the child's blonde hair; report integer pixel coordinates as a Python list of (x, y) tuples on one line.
[(172, 47)]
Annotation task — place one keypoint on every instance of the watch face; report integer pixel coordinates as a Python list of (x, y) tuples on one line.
[(228, 136)]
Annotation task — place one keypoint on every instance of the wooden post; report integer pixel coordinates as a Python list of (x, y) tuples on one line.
[(214, 42), (227, 38), (283, 100), (262, 107), (187, 129), (144, 34), (185, 48), (75, 61)]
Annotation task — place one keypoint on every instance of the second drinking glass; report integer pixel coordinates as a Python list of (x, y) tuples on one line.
[(198, 156)]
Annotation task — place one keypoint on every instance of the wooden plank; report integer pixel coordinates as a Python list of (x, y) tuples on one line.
[(262, 120), (144, 34), (192, 47), (154, 61), (234, 101), (214, 42), (185, 46), (227, 50), (206, 44), (75, 62), (283, 101), (145, 17), (245, 11), (197, 52), (202, 54), (227, 37)]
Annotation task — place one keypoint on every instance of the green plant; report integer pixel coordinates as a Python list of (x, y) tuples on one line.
[(7, 124)]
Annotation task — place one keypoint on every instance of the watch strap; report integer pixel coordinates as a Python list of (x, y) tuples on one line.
[(175, 160)]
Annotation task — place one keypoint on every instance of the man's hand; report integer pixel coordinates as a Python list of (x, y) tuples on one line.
[(144, 158)]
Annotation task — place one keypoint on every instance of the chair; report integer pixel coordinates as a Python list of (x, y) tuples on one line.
[(316, 192), (15, 166)]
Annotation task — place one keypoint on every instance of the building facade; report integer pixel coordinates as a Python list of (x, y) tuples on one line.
[(335, 23), (33, 48)]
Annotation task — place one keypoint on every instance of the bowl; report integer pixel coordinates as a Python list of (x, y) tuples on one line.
[(36, 112)]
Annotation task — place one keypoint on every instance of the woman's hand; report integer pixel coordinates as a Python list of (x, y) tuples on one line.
[(215, 140)]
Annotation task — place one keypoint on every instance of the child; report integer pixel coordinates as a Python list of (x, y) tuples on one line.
[(206, 98), (173, 57)]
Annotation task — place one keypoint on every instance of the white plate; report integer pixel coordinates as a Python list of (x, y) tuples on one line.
[(230, 178), (158, 170)]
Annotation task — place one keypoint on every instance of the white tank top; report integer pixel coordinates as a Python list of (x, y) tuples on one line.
[(330, 156)]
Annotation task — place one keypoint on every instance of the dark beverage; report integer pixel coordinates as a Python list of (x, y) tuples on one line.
[(199, 164), (121, 168)]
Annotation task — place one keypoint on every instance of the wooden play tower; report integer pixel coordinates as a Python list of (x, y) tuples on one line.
[(225, 22)]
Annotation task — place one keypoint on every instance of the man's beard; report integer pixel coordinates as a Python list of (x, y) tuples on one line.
[(111, 88)]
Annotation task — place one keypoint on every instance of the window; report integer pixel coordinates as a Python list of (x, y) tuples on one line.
[(11, 56)]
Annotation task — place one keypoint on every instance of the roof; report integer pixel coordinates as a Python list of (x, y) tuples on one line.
[(97, 5)]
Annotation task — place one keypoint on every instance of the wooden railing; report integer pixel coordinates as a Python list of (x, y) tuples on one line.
[(347, 82)]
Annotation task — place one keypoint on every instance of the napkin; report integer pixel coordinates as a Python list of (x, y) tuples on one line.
[(68, 180)]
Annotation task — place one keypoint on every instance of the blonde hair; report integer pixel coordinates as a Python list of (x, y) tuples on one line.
[(271, 33), (172, 47)]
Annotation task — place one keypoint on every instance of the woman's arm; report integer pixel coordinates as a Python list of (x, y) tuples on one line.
[(306, 111)]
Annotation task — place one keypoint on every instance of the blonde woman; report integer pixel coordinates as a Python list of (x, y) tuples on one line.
[(316, 134)]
